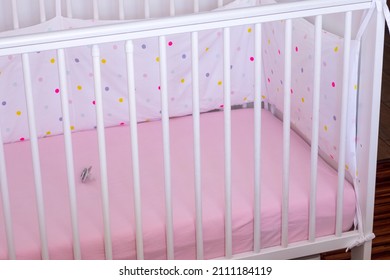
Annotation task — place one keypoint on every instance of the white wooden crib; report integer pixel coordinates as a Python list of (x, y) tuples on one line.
[(38, 151)]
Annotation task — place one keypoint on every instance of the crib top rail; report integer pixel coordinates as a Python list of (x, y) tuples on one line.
[(174, 25)]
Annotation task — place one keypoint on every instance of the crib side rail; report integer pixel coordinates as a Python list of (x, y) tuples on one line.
[(195, 23), (175, 25)]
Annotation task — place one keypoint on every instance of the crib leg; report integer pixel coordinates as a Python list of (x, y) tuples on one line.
[(362, 252)]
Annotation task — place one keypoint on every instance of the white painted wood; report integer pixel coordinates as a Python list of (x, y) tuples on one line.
[(15, 16), (172, 8), (228, 143), (220, 3), (343, 124), (121, 9), (257, 140), (286, 131), (4, 193), (58, 8), (158, 27), (69, 152), (196, 6), (147, 8), (69, 11), (134, 148), (35, 156), (315, 127), (95, 9), (197, 156), (166, 142), (42, 10), (102, 150)]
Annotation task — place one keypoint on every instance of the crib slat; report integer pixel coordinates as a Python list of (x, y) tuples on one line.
[(134, 148), (167, 157), (6, 202), (257, 148), (220, 3), (286, 131), (172, 8), (197, 158), (42, 10), (315, 125), (343, 124), (69, 152), (35, 155), (102, 150), (228, 145), (15, 16), (95, 10), (121, 10), (147, 8), (58, 8), (196, 6), (69, 12)]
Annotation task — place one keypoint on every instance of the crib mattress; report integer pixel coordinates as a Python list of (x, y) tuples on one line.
[(56, 196)]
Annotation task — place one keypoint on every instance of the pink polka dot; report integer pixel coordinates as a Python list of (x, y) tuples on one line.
[(252, 58), (21, 139), (333, 84), (221, 106), (115, 47), (159, 88), (296, 49), (57, 90), (292, 91), (94, 102), (122, 123), (269, 80), (278, 51), (170, 43), (40, 79)]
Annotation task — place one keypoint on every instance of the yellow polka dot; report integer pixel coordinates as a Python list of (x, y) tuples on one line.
[(71, 127), (147, 120), (104, 61), (18, 113), (355, 87), (357, 173), (182, 81), (249, 30), (303, 100), (245, 98), (336, 49), (207, 49), (263, 97), (346, 167), (325, 127), (52, 60), (48, 132), (158, 59), (120, 100), (219, 83), (79, 87), (269, 41)]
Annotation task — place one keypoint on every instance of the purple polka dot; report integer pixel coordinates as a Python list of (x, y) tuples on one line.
[(207, 75), (60, 119), (4, 103), (77, 60), (106, 88), (184, 56), (334, 118), (143, 46)]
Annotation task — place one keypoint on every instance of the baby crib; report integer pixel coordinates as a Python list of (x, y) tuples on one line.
[(201, 135)]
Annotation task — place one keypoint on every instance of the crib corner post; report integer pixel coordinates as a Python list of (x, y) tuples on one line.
[(362, 252)]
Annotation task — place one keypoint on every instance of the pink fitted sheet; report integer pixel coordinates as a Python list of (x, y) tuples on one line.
[(59, 232)]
